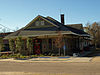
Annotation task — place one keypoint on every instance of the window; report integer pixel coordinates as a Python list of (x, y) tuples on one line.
[(42, 22), (37, 23)]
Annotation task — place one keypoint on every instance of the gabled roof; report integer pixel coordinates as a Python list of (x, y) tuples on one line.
[(5, 34), (56, 26), (78, 31), (76, 26), (37, 18)]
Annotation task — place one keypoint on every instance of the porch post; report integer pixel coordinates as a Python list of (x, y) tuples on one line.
[(64, 47), (59, 51), (47, 43)]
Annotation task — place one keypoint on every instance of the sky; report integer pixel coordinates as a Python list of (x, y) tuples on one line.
[(18, 13)]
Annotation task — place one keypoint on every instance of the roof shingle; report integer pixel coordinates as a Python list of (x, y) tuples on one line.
[(57, 26)]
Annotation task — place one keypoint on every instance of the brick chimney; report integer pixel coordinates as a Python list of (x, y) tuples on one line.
[(62, 18)]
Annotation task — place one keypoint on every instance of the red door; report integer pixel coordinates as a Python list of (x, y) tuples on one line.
[(37, 46)]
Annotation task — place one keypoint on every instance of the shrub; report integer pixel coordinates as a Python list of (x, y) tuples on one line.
[(4, 57), (20, 47), (12, 45), (30, 46), (34, 55), (41, 55), (16, 56)]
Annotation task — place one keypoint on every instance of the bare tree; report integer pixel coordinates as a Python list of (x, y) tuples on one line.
[(59, 41), (4, 30), (94, 30), (16, 28)]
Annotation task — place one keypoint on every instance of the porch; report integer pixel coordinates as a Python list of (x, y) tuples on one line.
[(46, 45)]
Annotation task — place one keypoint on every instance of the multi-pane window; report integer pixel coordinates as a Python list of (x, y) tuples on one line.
[(38, 23), (42, 22)]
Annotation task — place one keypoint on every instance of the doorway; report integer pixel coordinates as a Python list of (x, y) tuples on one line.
[(37, 46)]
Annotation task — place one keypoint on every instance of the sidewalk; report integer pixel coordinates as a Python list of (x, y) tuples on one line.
[(96, 59), (53, 59)]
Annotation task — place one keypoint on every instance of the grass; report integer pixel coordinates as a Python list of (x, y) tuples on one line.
[(19, 56), (13, 56)]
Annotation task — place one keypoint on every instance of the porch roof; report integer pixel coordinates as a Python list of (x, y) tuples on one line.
[(41, 33)]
